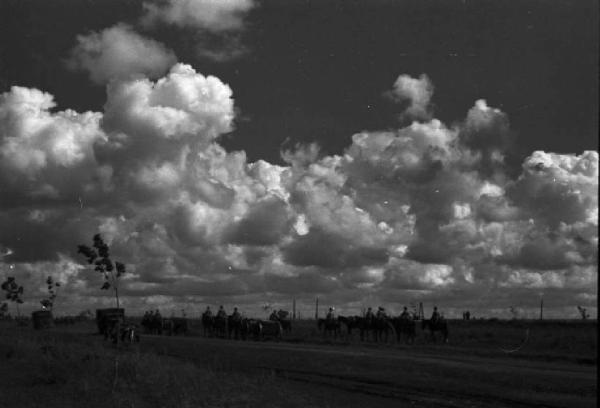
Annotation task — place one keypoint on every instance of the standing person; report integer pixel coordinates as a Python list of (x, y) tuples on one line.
[(369, 315), (207, 312)]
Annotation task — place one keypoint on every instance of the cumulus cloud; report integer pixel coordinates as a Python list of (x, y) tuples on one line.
[(33, 138), (183, 104), (119, 52), (46, 155), (417, 213), (211, 15), (417, 92)]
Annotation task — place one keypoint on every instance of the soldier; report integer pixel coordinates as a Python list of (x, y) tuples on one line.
[(405, 314), (369, 314), (221, 313), (381, 313), (208, 312), (331, 313), (236, 315), (435, 316)]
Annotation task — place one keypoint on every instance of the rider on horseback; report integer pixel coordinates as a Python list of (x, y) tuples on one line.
[(221, 313), (207, 312), (405, 314), (369, 315), (435, 316), (236, 314), (331, 314), (381, 313)]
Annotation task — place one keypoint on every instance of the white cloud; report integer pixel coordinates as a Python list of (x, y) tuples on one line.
[(417, 92), (212, 15), (183, 104), (33, 138), (399, 211), (119, 52)]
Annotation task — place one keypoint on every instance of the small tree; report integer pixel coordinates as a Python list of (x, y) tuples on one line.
[(14, 292), (53, 286), (3, 310), (99, 255), (583, 312)]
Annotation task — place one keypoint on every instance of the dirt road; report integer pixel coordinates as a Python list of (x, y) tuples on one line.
[(396, 376)]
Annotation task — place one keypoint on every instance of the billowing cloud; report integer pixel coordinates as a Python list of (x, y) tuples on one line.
[(425, 212), (119, 52), (183, 104), (417, 92), (211, 15)]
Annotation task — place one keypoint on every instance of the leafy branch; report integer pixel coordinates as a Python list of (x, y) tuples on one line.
[(99, 255), (14, 292), (53, 286)]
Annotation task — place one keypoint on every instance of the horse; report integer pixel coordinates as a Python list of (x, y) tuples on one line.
[(329, 326), (250, 327), (129, 334), (283, 318), (405, 326), (208, 322), (234, 325), (381, 327), (220, 326), (439, 325), (351, 322), (175, 325), (270, 328)]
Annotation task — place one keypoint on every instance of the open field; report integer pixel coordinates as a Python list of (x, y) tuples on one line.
[(555, 366)]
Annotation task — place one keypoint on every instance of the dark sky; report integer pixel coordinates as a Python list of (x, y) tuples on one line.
[(316, 70)]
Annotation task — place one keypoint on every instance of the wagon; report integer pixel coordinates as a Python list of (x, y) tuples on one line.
[(106, 318)]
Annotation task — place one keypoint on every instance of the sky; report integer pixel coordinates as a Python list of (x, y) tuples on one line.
[(248, 153)]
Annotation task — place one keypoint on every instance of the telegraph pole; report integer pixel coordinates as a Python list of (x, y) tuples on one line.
[(317, 309), (294, 309), (542, 308)]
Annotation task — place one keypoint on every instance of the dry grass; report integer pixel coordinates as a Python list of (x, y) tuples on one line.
[(70, 367), (47, 369)]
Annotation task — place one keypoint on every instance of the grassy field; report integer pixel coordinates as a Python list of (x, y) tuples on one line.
[(70, 366), (571, 340)]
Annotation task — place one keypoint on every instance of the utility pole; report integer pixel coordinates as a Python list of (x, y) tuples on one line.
[(317, 309), (294, 309), (542, 308)]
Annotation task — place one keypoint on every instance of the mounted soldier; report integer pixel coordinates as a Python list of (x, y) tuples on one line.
[(221, 314), (381, 313), (435, 316), (405, 314), (331, 314), (369, 315), (207, 322)]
